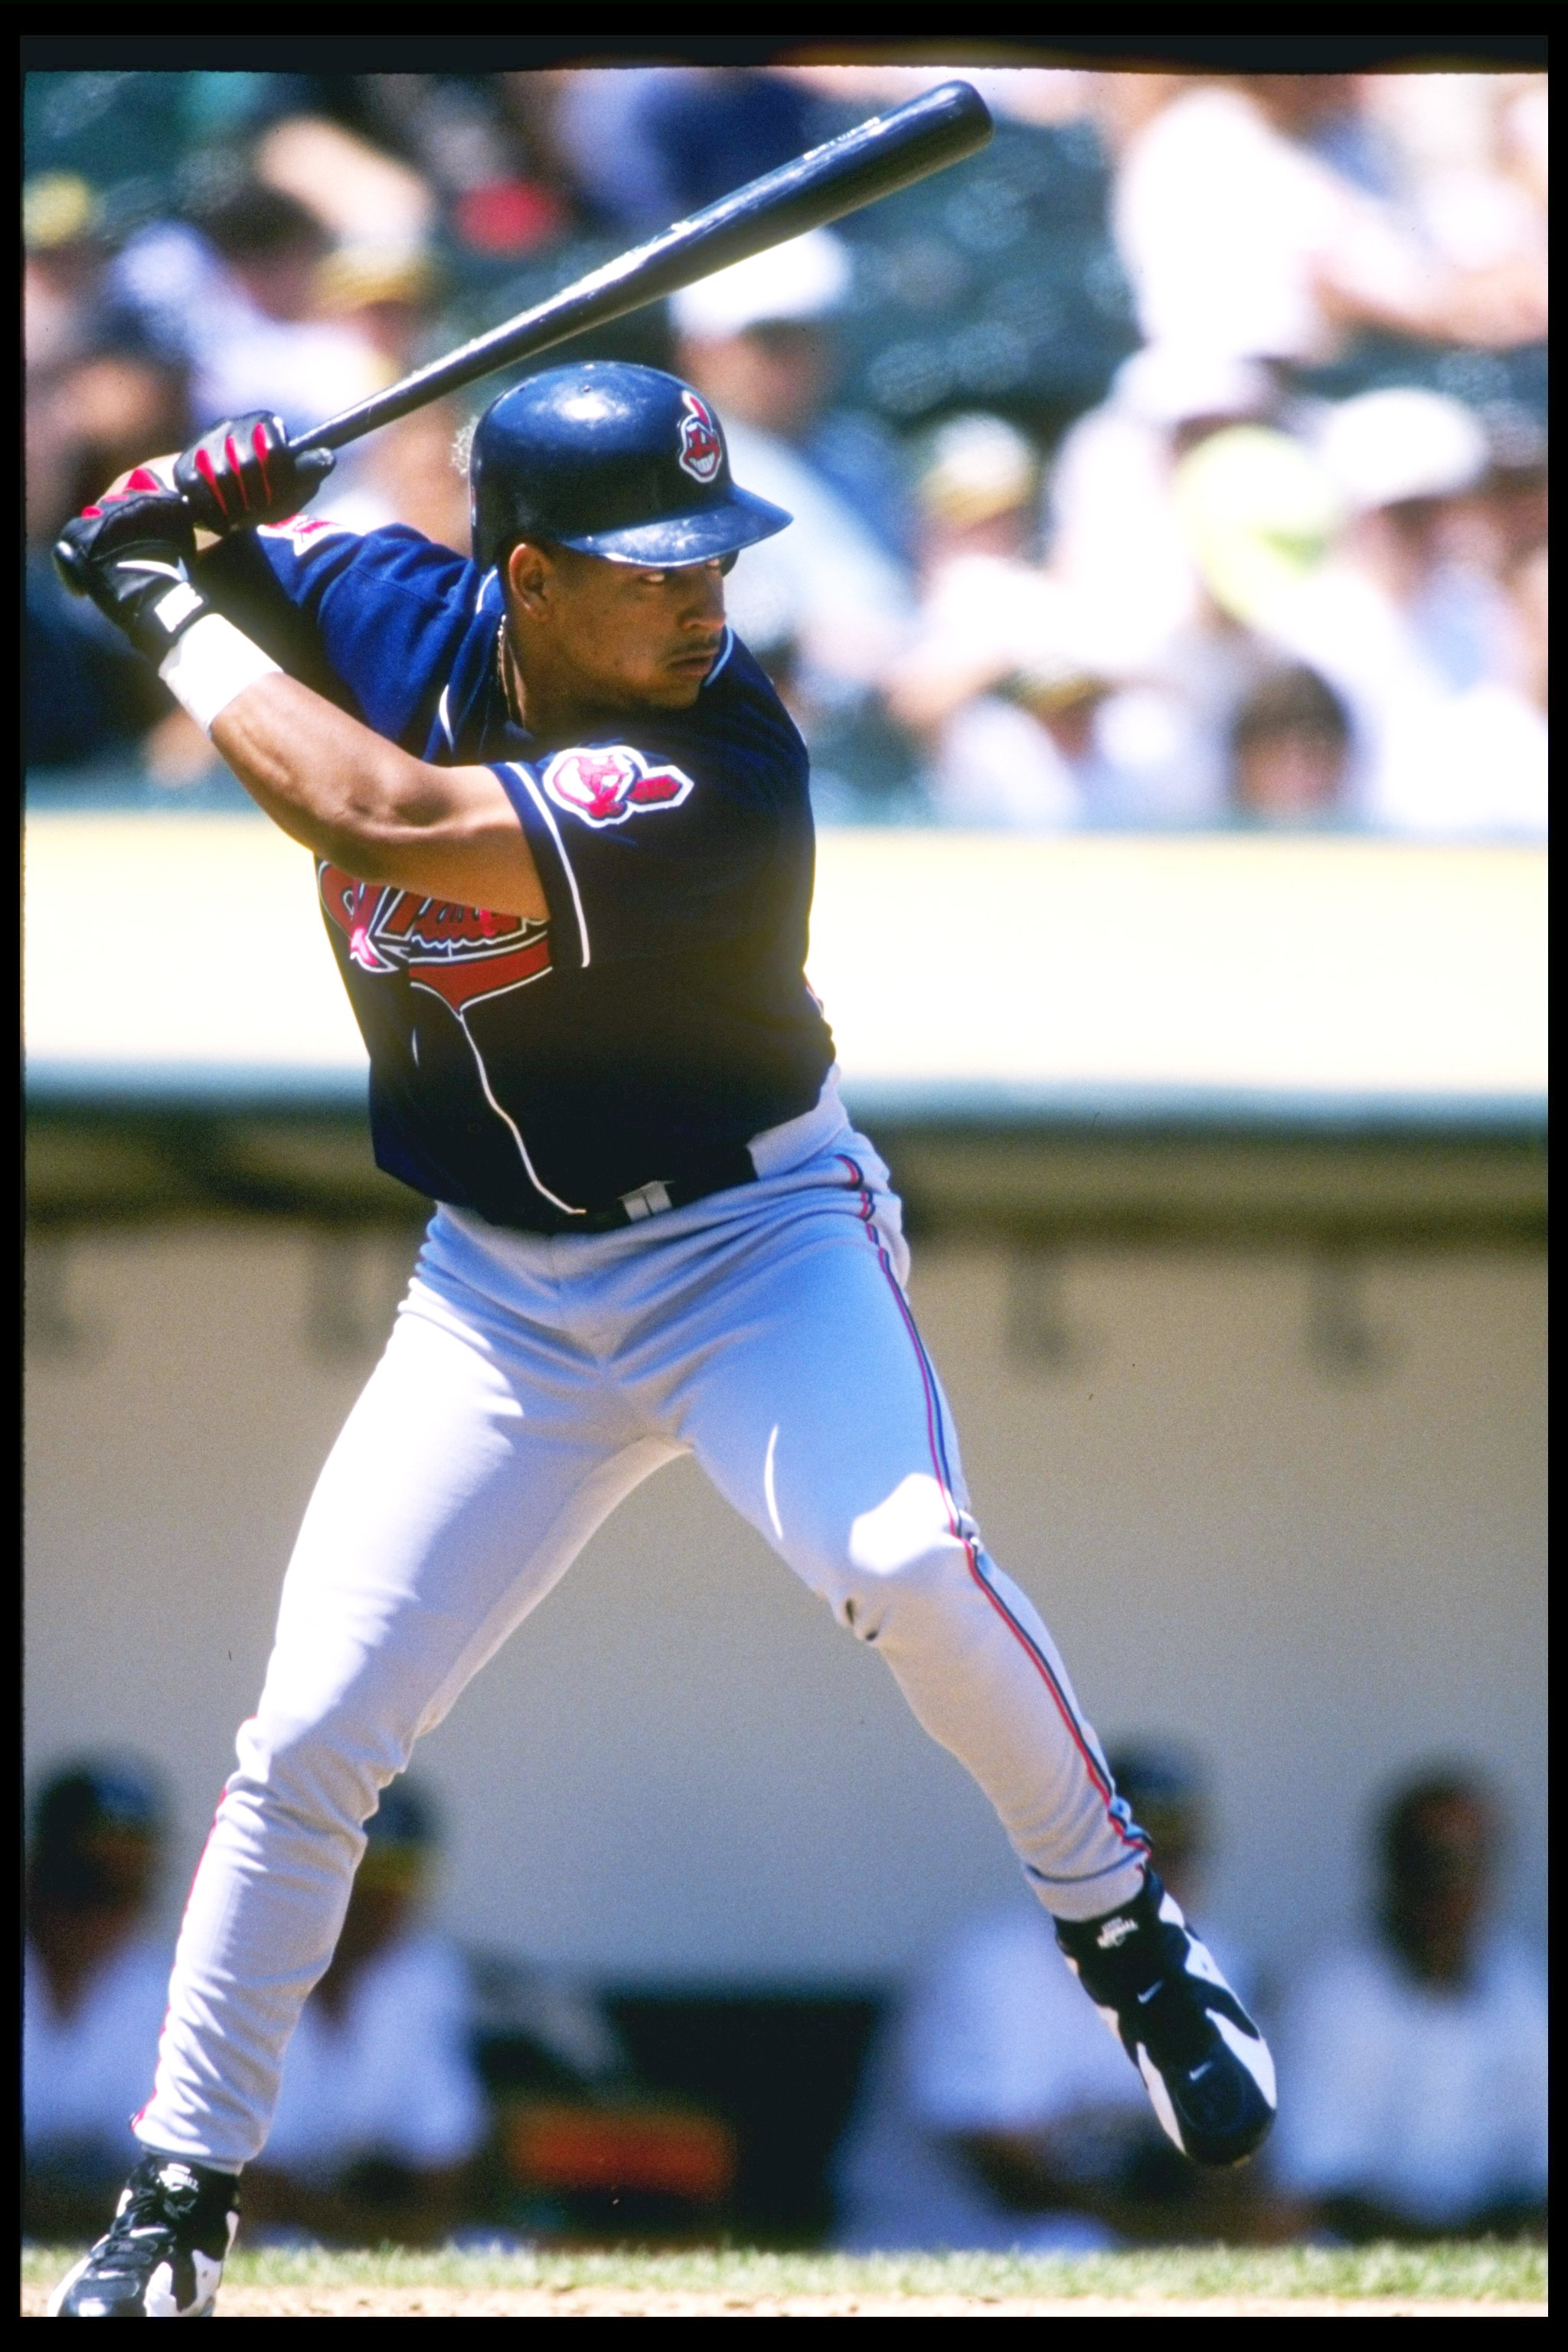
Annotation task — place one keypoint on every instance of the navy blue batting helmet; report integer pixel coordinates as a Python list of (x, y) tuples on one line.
[(619, 461)]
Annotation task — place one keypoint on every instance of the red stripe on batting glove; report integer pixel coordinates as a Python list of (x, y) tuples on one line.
[(232, 454), (258, 443), (208, 473)]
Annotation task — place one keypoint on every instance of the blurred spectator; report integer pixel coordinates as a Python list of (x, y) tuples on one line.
[(1412, 2063), (1024, 693), (999, 2112), (236, 299), (98, 398), (1412, 632), (1258, 512), (367, 201), (183, 326), (759, 339), (414, 472), (380, 2109), (1289, 752), (87, 698), (66, 257), (99, 393), (993, 636), (298, 240), (94, 1986), (1133, 546), (1511, 506), (755, 340), (1525, 582), (1469, 153), (648, 145), (1244, 232), (1035, 94), (1115, 537), (476, 147), (386, 295)]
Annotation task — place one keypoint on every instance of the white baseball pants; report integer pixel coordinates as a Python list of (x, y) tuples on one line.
[(529, 1383)]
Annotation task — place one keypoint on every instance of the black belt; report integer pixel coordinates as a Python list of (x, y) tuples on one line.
[(717, 1171)]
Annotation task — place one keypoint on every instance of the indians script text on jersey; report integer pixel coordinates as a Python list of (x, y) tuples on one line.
[(529, 1070)]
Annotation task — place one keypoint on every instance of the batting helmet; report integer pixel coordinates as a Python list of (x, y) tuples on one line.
[(618, 461)]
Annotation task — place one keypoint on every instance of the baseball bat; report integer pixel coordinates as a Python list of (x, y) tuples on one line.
[(890, 152)]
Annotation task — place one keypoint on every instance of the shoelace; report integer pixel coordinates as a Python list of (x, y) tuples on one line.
[(147, 2215)]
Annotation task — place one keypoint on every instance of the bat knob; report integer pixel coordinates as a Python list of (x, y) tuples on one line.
[(72, 566)]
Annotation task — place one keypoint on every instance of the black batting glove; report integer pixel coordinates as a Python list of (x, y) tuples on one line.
[(243, 472), (131, 553)]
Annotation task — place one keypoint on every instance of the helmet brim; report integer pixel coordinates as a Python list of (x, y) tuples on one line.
[(695, 538)]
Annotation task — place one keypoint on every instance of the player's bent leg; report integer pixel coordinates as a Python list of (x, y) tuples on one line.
[(823, 1421), (816, 1413), (464, 1482)]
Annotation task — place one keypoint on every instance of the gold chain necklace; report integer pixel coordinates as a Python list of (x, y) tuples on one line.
[(502, 680)]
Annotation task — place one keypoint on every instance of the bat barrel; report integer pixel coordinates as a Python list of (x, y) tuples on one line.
[(877, 158)]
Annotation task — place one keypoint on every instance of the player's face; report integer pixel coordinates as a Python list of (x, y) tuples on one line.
[(615, 634)]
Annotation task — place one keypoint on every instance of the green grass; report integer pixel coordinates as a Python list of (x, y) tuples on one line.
[(1486, 2272)]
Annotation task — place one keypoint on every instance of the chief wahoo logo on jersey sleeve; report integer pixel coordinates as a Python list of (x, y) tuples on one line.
[(605, 786)]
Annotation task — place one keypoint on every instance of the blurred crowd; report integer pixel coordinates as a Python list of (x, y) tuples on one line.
[(1179, 461), (998, 2113), (426, 2087), (429, 2094)]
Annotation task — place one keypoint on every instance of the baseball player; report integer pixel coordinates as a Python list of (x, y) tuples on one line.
[(564, 846)]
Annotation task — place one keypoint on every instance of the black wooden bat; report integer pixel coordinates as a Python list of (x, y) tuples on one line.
[(890, 151)]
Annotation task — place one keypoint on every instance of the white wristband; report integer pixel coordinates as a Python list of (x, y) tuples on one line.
[(213, 662)]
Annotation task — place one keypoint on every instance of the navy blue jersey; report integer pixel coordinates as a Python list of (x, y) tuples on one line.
[(535, 1070)]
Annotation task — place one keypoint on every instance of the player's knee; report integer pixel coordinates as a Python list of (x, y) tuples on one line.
[(326, 1768), (904, 1563)]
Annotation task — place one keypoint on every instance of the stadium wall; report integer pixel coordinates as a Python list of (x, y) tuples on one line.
[(1287, 1503)]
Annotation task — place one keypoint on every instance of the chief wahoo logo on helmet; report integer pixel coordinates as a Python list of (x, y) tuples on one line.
[(701, 450), (614, 460)]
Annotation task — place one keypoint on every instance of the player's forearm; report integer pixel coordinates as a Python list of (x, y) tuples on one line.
[(346, 793), (328, 782)]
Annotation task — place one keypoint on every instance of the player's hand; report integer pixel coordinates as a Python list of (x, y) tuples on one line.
[(243, 472), (131, 553)]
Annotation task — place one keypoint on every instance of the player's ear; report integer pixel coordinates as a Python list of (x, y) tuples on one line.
[(528, 575)]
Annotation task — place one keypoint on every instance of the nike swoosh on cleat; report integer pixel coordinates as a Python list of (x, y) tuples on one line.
[(1252, 2051)]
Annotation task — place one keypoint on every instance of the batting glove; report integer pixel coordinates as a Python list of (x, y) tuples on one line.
[(131, 553), (244, 472)]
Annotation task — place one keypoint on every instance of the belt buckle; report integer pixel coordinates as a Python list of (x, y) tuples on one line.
[(648, 1201)]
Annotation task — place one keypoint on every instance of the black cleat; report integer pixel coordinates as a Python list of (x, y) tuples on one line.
[(165, 2250), (1205, 2065)]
